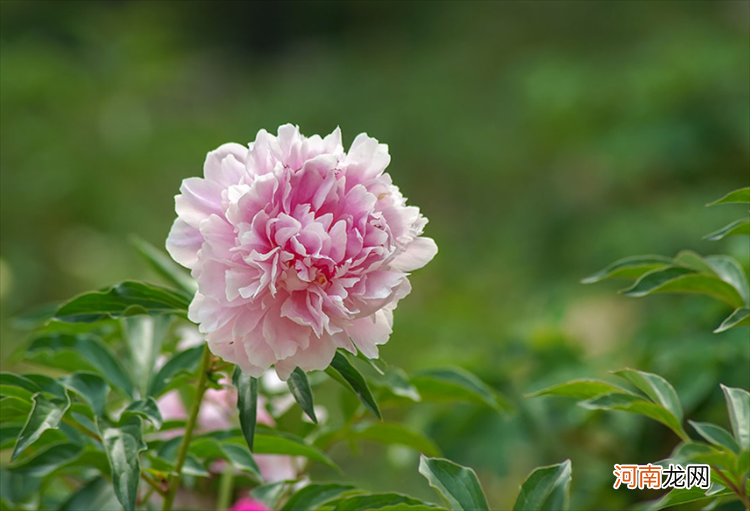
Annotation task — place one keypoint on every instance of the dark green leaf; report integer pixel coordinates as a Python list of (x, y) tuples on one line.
[(9, 434), (741, 196), (694, 261), (740, 317), (629, 268), (269, 441), (738, 227), (546, 488), (458, 485), (731, 272), (18, 386), (49, 386), (313, 495), (45, 414), (716, 435), (123, 445), (655, 387), (392, 433), (698, 452), (396, 380), (300, 389), (147, 409), (48, 460), (240, 458), (144, 335), (14, 409), (684, 280), (379, 501), (455, 384), (738, 405), (91, 388), (96, 495), (580, 389), (165, 266), (80, 352), (125, 299), (681, 496), (354, 381), (247, 403), (185, 361), (269, 494)]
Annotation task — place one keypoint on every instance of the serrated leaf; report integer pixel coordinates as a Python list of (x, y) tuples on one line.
[(314, 495), (144, 336), (737, 228), (379, 501), (683, 280), (80, 352), (146, 408), (634, 404), (580, 389), (48, 460), (393, 433), (738, 406), (124, 299), (269, 441), (741, 196), (162, 264), (546, 488), (91, 388), (655, 387), (187, 360), (247, 404), (123, 445), (354, 381), (97, 494), (629, 268), (458, 485), (300, 389), (716, 435), (740, 317), (456, 384), (45, 414)]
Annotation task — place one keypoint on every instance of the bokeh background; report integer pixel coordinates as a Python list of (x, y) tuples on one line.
[(543, 140)]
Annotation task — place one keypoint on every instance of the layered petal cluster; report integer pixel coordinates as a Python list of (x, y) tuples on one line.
[(298, 247)]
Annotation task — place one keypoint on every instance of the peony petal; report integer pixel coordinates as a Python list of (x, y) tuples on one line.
[(183, 243), (368, 332), (417, 254)]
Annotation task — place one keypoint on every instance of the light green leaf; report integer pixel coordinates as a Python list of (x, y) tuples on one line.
[(91, 388), (162, 264), (269, 441), (634, 404), (458, 485), (397, 382), (237, 455), (546, 488), (456, 384), (80, 352), (737, 228), (300, 389), (247, 403), (694, 261), (741, 196), (730, 271), (353, 379), (125, 299), (580, 389), (683, 280), (740, 317), (144, 335), (629, 268), (393, 433), (380, 501), (698, 452), (738, 405), (313, 495), (185, 361), (45, 414), (123, 445), (716, 435), (48, 460), (146, 408), (655, 387), (97, 494)]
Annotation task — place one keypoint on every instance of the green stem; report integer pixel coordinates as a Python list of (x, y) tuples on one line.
[(226, 488), (174, 480)]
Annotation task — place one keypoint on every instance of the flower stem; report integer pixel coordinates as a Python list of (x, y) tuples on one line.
[(226, 488), (174, 480)]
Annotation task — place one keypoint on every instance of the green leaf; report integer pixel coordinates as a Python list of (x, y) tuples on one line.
[(247, 403), (162, 264), (269, 494), (269, 441), (716, 435), (144, 335), (741, 196), (91, 388), (731, 272), (45, 414), (629, 268), (546, 488), (740, 317), (125, 299), (147, 409), (48, 385), (353, 380), (738, 405), (8, 435), (397, 382), (14, 409), (694, 261), (580, 389), (655, 387), (97, 494), (313, 495), (458, 485), (240, 458), (698, 452), (80, 352), (681, 496), (455, 384), (48, 460), (634, 404), (18, 386), (300, 389), (392, 433), (736, 228), (123, 445), (677, 279), (379, 501), (185, 361)]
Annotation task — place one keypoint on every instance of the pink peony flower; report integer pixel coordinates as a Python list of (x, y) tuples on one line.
[(298, 247), (248, 504)]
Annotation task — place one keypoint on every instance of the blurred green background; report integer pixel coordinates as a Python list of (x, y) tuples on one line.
[(543, 140)]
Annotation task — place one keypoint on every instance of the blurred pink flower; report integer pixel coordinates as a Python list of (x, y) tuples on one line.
[(298, 248), (248, 504)]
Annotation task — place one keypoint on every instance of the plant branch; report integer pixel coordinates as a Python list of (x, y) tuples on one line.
[(155, 486), (741, 494), (174, 479)]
